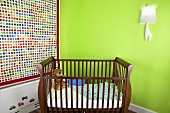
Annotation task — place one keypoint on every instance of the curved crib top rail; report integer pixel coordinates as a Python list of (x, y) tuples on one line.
[(119, 64)]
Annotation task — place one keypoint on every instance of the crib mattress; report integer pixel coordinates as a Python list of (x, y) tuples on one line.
[(85, 97)]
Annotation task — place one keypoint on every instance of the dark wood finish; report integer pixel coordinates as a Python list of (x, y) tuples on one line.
[(118, 73)]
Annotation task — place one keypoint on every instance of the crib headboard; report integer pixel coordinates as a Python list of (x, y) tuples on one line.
[(44, 71), (124, 69), (84, 68)]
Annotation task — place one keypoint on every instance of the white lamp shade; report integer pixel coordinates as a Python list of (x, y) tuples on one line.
[(148, 14)]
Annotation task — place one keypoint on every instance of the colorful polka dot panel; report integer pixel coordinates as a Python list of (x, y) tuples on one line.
[(27, 36)]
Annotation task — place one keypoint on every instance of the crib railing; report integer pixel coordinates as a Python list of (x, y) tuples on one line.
[(103, 104), (86, 68), (91, 72), (95, 68)]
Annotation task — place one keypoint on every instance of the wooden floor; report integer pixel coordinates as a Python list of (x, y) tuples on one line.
[(39, 111)]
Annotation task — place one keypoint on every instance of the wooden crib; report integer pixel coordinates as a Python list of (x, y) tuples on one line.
[(90, 86)]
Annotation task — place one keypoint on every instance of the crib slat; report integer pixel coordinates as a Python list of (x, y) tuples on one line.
[(82, 69), (98, 88), (92, 92), (103, 94), (120, 70), (82, 95), (90, 71), (74, 68), (77, 93), (113, 96), (118, 96), (115, 70), (66, 94), (125, 71), (98, 69), (70, 68), (47, 68), (108, 94), (101, 71), (109, 67), (58, 61), (61, 102), (71, 94), (55, 91), (87, 94), (105, 68), (66, 67), (78, 68), (86, 70), (63, 67), (94, 69)]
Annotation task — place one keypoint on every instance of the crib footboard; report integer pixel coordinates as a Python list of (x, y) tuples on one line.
[(87, 86)]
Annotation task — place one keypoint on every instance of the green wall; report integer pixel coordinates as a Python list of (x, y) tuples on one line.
[(109, 28)]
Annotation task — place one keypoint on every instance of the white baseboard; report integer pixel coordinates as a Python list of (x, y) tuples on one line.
[(139, 109)]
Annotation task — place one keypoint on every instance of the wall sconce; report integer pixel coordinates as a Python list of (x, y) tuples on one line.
[(148, 14)]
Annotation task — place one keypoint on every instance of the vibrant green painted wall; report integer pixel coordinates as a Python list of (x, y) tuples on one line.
[(109, 28)]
